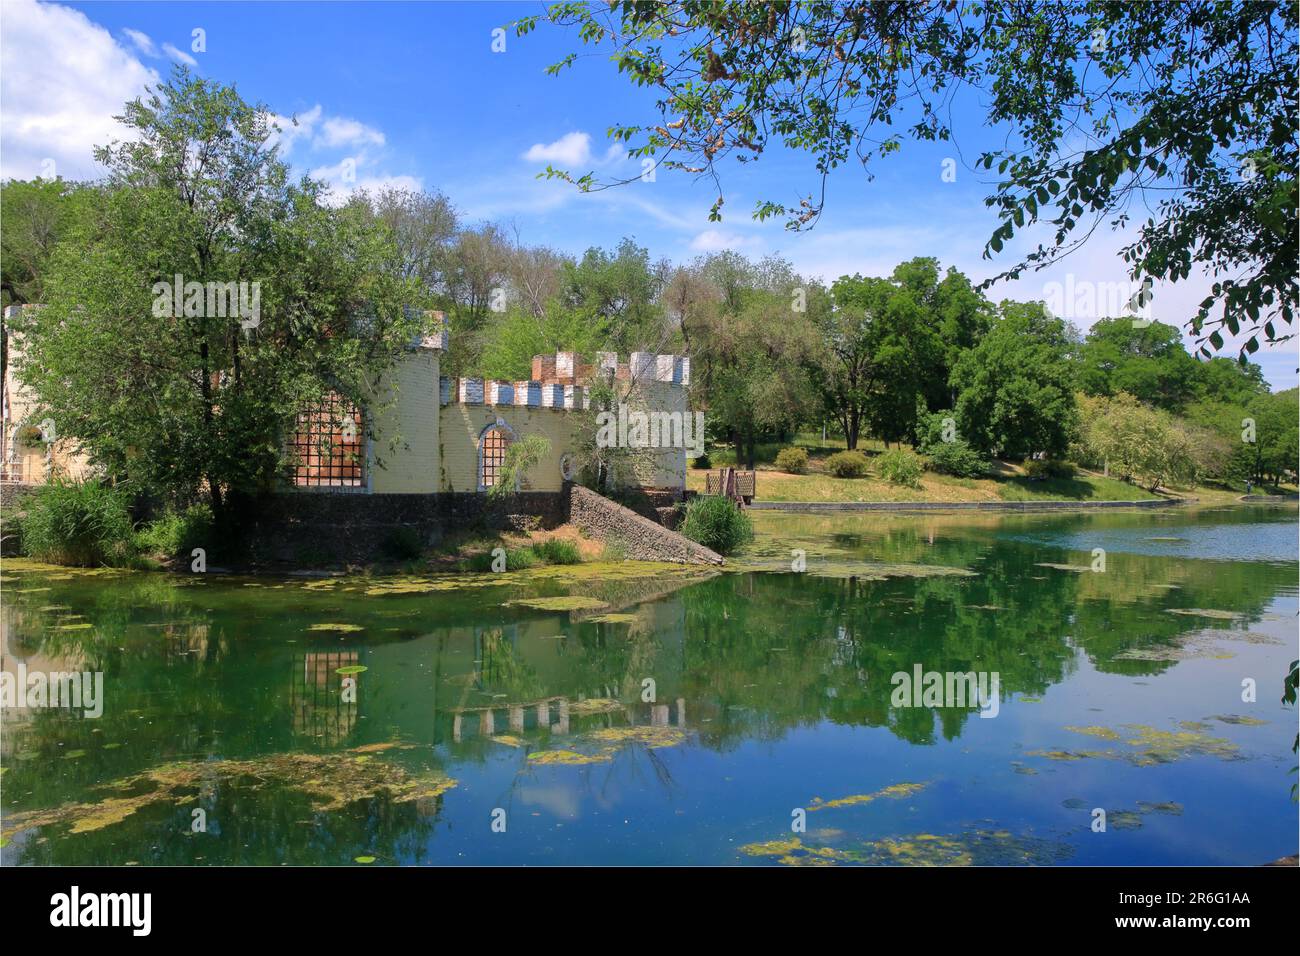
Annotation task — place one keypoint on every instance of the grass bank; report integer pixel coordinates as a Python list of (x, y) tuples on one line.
[(1006, 481)]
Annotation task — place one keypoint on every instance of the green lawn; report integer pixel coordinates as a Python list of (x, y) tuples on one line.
[(778, 486), (1007, 482)]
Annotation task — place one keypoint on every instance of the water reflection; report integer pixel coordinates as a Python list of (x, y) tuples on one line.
[(575, 714)]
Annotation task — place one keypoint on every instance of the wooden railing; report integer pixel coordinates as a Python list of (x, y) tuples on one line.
[(737, 485)]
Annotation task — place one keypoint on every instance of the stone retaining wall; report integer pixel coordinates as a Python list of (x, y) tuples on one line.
[(644, 539), (13, 492), (311, 528)]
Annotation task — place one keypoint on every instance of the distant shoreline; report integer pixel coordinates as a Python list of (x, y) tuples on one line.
[(813, 506)]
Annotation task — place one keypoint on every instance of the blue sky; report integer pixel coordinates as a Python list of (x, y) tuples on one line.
[(412, 94)]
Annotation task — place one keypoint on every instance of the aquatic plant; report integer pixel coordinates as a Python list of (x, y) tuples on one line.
[(717, 523), (557, 551), (78, 523), (332, 782)]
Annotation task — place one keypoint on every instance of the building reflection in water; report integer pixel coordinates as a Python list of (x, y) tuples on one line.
[(551, 714), (316, 696)]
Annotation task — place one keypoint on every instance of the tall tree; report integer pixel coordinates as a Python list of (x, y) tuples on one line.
[(1015, 389), (197, 399), (37, 215), (1187, 109), (1147, 361)]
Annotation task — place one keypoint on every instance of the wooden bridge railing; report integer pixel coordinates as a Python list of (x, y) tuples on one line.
[(737, 485)]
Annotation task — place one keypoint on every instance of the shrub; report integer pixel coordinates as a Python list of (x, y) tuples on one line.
[(956, 458), (1040, 468), (901, 467), (84, 524), (558, 551), (933, 427), (846, 464), (516, 560), (792, 460), (701, 462), (716, 523), (403, 544), (177, 532)]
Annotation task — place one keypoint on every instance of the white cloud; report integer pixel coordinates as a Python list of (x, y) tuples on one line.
[(65, 78), (716, 240), (341, 131), (300, 126), (571, 149), (177, 54), (142, 42), (354, 174)]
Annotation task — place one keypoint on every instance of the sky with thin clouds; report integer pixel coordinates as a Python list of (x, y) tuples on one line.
[(413, 95)]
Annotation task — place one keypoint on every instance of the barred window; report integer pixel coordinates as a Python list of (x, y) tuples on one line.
[(492, 456), (327, 445)]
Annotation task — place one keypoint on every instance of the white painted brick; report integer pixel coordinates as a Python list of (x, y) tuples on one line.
[(552, 396), (528, 393), (642, 366), (471, 391), (682, 370)]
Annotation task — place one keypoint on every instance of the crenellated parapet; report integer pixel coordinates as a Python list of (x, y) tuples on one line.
[(566, 368), (561, 380), (530, 394)]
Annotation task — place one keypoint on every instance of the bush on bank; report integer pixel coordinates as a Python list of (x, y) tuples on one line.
[(78, 523), (717, 523)]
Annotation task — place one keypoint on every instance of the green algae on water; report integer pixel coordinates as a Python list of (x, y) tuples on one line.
[(330, 781), (601, 745), (894, 792), (572, 602), (972, 848)]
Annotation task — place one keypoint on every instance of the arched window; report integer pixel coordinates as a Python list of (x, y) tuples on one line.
[(492, 445)]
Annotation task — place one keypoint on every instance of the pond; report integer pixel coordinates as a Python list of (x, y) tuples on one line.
[(1125, 675)]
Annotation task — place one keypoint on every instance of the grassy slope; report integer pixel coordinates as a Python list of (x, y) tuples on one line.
[(1007, 484), (778, 486)]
